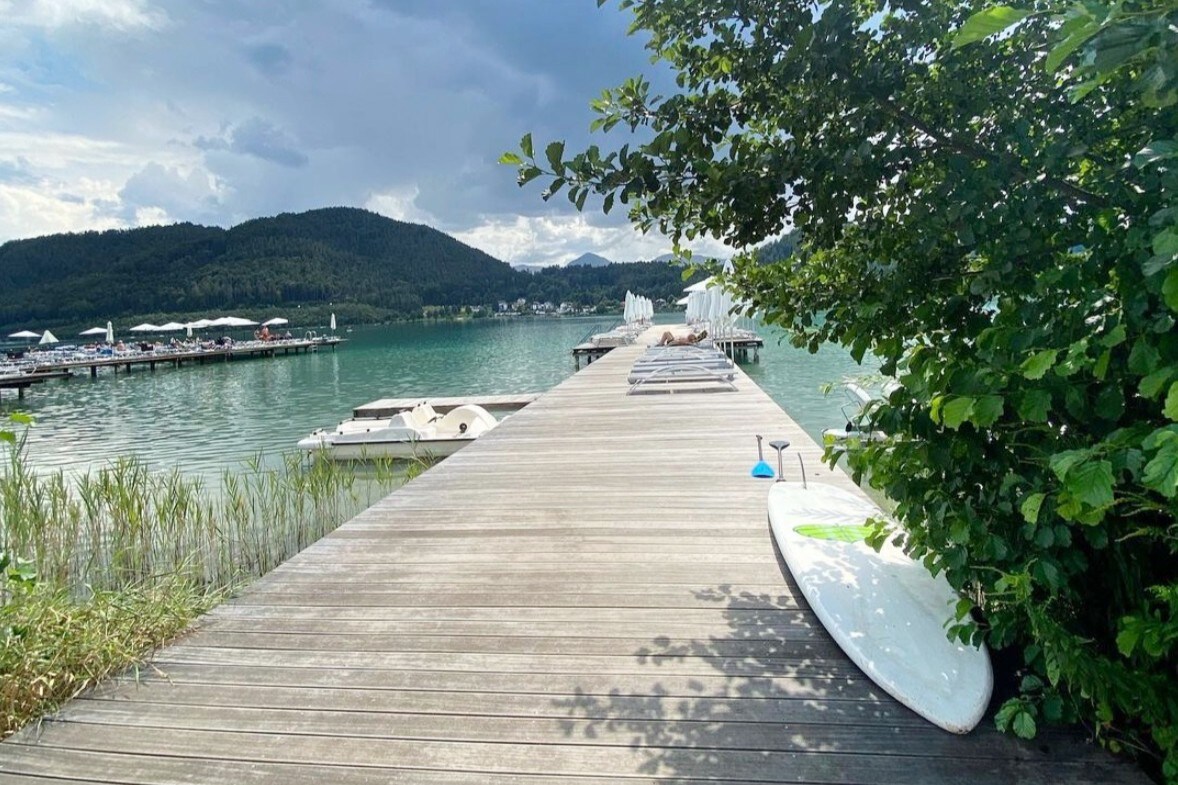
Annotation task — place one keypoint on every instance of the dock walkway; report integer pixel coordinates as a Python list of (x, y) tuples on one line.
[(589, 594)]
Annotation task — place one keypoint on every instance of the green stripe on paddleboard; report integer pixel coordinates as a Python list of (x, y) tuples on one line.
[(841, 533)]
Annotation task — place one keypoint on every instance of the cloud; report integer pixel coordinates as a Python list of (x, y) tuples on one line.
[(222, 110), (548, 240), (259, 138), (157, 189), (52, 14)]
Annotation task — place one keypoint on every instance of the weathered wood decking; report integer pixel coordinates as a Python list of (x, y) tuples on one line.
[(589, 594)]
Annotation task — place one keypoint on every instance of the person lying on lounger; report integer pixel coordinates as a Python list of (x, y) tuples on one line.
[(691, 340)]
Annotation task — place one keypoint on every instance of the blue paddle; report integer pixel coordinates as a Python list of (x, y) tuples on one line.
[(762, 469)]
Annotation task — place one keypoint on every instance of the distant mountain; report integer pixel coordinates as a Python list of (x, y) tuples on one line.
[(339, 255), (589, 260)]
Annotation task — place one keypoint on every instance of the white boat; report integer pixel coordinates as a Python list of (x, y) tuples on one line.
[(418, 433), (885, 610)]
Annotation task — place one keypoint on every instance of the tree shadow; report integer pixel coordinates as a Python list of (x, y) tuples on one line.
[(773, 699)]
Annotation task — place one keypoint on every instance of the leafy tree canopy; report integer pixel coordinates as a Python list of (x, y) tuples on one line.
[(986, 199)]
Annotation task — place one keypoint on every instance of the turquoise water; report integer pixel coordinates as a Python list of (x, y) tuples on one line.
[(205, 419)]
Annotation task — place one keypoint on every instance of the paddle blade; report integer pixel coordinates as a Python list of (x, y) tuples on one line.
[(763, 470)]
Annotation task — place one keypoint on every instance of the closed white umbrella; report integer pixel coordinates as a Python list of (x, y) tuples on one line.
[(25, 334), (94, 331), (110, 333), (333, 322), (48, 337)]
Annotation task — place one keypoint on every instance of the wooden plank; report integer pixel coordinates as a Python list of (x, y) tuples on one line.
[(587, 594)]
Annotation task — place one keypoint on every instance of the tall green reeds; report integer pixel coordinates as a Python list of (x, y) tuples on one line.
[(123, 558)]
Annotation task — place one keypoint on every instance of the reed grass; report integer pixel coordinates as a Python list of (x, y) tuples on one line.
[(126, 558)]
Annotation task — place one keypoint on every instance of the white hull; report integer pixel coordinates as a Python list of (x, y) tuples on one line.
[(420, 433), (428, 449), (886, 611)]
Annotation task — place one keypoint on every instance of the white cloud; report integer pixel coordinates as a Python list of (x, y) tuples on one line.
[(556, 239), (32, 211), (400, 205), (119, 14)]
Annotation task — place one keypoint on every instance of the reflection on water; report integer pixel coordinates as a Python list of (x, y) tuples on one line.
[(207, 418)]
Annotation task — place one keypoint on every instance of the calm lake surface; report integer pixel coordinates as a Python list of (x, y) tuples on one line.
[(205, 419)]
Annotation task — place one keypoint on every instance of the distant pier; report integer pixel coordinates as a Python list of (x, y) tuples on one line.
[(63, 368)]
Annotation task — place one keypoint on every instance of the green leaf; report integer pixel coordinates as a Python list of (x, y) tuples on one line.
[(1171, 407), (1039, 363), (1062, 462), (1128, 637), (1161, 473), (1035, 405), (1158, 150), (555, 155), (1170, 289), (1024, 725), (511, 158), (986, 23), (525, 144), (1073, 41), (986, 410), (1165, 243), (8, 436), (1153, 383), (1031, 506), (956, 411), (1092, 483)]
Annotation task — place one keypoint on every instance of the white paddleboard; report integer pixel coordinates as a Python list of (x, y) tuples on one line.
[(886, 611)]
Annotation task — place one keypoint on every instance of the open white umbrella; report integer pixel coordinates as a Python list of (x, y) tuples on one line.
[(25, 334), (94, 331), (146, 327), (277, 320), (171, 327), (237, 321), (48, 337), (199, 324)]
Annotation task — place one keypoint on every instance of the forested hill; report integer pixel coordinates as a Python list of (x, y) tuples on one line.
[(360, 262), (340, 255)]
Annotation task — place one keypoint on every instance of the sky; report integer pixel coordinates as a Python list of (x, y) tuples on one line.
[(125, 113)]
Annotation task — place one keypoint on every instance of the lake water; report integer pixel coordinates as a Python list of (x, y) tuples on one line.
[(207, 418)]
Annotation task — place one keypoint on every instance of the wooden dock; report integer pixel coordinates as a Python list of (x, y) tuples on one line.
[(589, 594), (197, 356)]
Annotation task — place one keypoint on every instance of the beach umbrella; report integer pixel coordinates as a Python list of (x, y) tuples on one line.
[(94, 331), (277, 320), (333, 322), (237, 321), (199, 324), (171, 327), (48, 337), (25, 334), (110, 333), (146, 327)]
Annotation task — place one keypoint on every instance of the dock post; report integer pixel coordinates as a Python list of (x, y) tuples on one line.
[(93, 371)]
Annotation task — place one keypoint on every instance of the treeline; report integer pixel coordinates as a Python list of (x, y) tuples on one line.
[(353, 259)]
